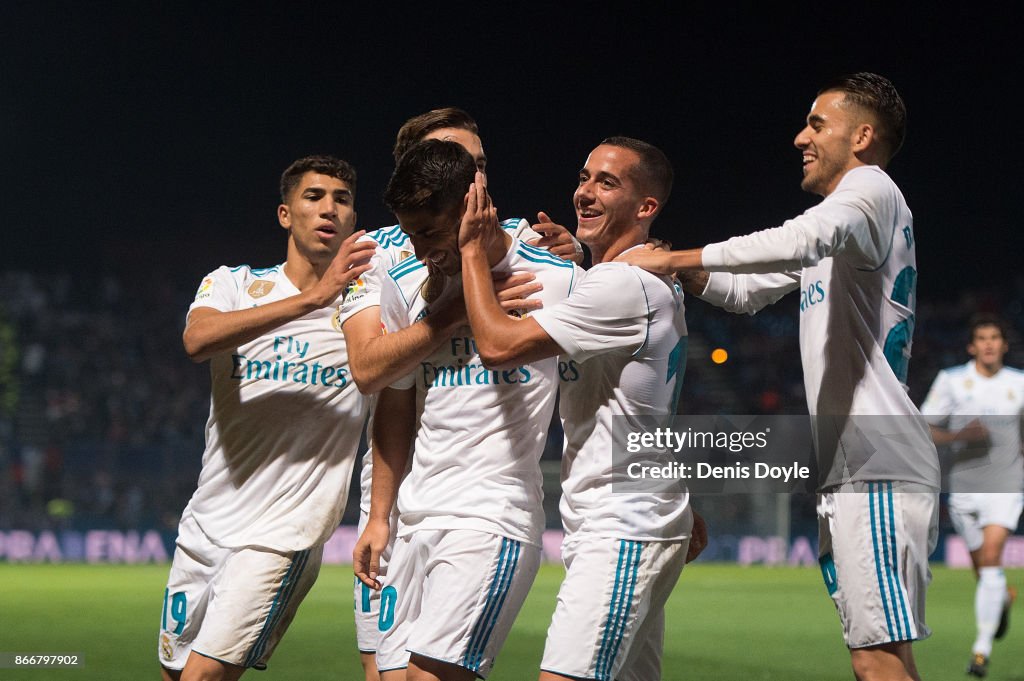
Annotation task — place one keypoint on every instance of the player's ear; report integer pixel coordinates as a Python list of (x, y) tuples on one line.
[(284, 216), (971, 350), (863, 137), (648, 209)]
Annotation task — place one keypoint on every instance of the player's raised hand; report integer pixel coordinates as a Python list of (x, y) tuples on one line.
[(514, 291), (698, 537), (367, 552), (351, 260), (557, 239), (479, 226)]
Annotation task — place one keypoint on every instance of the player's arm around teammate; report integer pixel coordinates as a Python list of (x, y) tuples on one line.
[(209, 331)]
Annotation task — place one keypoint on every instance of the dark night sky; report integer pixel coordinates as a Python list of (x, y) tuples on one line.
[(153, 138)]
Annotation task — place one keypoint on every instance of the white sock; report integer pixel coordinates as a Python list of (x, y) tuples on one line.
[(988, 606)]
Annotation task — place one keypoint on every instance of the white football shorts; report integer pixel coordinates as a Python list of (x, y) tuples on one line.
[(609, 622), (452, 595), (971, 512), (232, 605), (873, 551)]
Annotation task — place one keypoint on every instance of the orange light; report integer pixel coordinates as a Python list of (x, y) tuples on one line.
[(719, 356)]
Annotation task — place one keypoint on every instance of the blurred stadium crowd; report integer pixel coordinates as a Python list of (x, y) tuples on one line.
[(102, 414)]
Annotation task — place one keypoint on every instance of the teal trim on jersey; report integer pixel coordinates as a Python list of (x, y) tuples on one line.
[(258, 272), (677, 368), (277, 608), (539, 255), (511, 224), (901, 601), (892, 238), (618, 614), (389, 236), (828, 572), (647, 302), (405, 267), (508, 560), (878, 561)]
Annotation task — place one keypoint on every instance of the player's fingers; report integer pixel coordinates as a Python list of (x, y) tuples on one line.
[(503, 281), (524, 304), (519, 292), (354, 236), (542, 217)]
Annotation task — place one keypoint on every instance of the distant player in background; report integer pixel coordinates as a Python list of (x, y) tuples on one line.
[(620, 338), (853, 259), (471, 513), (285, 421), (377, 360), (976, 409)]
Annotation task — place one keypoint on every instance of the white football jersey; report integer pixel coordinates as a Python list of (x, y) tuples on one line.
[(285, 421), (393, 247), (623, 336), (853, 258), (960, 395), (481, 432)]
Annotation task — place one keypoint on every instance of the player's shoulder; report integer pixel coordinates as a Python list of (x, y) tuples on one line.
[(538, 256), (954, 371), (408, 274), (870, 182), (387, 237), (248, 273), (1014, 374), (515, 226)]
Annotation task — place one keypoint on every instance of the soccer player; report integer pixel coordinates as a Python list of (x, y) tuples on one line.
[(377, 360), (621, 339), (285, 421), (471, 518), (976, 408), (852, 257)]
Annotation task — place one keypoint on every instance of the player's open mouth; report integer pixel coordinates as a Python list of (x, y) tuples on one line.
[(587, 213), (326, 230), (809, 158)]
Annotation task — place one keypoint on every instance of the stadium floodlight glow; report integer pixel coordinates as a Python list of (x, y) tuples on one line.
[(719, 356)]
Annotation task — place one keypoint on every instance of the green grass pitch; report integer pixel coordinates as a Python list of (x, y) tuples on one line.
[(723, 622)]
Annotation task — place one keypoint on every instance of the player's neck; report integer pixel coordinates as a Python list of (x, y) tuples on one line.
[(987, 370), (606, 253), (302, 272)]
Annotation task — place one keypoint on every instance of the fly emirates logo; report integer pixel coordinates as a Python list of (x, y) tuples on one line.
[(288, 365), (465, 369)]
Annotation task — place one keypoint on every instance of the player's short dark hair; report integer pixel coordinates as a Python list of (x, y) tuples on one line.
[(324, 165), (432, 175), (654, 172), (877, 95), (983, 319), (418, 127)]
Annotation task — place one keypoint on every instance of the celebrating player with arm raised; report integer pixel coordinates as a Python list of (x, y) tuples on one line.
[(470, 511), (621, 338), (285, 421), (853, 259)]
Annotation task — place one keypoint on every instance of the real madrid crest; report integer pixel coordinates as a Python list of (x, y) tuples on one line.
[(260, 288)]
